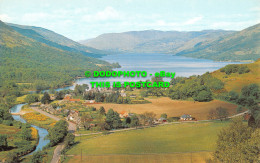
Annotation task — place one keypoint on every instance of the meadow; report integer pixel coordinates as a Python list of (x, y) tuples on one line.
[(235, 81), (173, 108), (151, 144)]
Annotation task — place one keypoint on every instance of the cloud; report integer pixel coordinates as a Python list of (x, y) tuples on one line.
[(193, 20), (5, 17), (232, 25), (109, 13), (255, 9), (33, 17)]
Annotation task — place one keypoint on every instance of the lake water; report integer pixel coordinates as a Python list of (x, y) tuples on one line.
[(152, 63)]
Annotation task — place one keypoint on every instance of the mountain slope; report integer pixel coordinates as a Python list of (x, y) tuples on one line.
[(243, 45), (152, 41), (55, 40), (26, 60)]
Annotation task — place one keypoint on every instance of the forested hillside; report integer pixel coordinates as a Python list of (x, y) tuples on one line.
[(53, 39), (25, 60)]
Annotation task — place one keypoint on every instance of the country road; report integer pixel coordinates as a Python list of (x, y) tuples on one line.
[(72, 128)]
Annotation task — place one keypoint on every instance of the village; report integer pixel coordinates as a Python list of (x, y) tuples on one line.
[(84, 115)]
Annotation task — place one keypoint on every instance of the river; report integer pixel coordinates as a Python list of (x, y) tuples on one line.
[(41, 131)]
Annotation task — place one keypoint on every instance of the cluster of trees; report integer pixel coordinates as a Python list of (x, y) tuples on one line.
[(218, 113), (199, 88), (23, 142), (153, 91), (249, 97), (113, 97), (238, 143), (234, 68), (8, 92), (5, 116), (58, 132), (111, 119)]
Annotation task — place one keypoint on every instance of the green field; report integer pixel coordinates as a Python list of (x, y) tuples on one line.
[(185, 137)]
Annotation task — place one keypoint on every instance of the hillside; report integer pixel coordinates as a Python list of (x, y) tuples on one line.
[(243, 45), (53, 39), (25, 60), (235, 81), (152, 41)]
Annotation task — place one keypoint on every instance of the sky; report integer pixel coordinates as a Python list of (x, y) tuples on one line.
[(84, 19)]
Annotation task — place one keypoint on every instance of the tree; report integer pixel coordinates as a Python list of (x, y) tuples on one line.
[(60, 95), (12, 157), (58, 132), (204, 95), (233, 96), (38, 156), (238, 143), (239, 109), (222, 113), (134, 121), (80, 89), (113, 119), (164, 115), (69, 140), (86, 120), (147, 118), (126, 122), (31, 98), (25, 133), (46, 98), (3, 142), (251, 90), (102, 110)]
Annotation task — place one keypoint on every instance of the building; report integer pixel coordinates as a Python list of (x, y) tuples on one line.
[(162, 120), (74, 116), (186, 117), (90, 101), (123, 114)]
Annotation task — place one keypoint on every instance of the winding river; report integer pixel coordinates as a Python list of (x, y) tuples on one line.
[(41, 131)]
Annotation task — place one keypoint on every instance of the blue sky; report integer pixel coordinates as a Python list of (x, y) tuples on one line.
[(83, 19)]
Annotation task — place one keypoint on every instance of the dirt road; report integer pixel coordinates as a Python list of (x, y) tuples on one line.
[(72, 128)]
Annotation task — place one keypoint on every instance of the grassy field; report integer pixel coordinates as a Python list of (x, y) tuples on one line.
[(149, 158), (173, 108), (171, 140), (237, 81)]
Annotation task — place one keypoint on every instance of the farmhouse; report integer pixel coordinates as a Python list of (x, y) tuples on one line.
[(90, 101), (74, 116), (123, 114), (186, 117), (162, 120), (69, 98)]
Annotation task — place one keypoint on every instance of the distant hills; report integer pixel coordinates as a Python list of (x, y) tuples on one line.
[(210, 44), (242, 45), (152, 41), (37, 58)]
